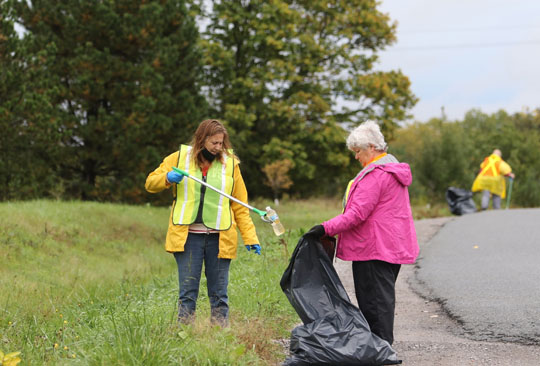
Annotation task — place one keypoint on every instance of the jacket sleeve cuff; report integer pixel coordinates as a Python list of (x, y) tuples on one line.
[(327, 229)]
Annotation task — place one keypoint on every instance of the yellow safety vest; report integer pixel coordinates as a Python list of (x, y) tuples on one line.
[(216, 212), (491, 167), (491, 177)]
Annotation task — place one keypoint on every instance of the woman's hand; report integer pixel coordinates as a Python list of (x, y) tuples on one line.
[(317, 231), (174, 177), (256, 248)]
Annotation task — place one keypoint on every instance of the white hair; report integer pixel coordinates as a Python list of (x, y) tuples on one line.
[(368, 133)]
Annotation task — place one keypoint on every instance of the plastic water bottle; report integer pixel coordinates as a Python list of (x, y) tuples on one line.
[(276, 224)]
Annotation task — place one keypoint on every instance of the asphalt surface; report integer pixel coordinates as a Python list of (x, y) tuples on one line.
[(483, 269), (424, 332)]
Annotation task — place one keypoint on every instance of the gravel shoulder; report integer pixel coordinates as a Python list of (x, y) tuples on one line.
[(426, 335)]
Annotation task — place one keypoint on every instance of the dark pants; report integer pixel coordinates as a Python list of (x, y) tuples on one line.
[(374, 284), (485, 200), (199, 249)]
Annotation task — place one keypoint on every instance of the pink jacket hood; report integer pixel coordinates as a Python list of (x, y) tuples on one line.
[(400, 171)]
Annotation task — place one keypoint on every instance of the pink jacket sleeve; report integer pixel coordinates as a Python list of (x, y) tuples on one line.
[(363, 198)]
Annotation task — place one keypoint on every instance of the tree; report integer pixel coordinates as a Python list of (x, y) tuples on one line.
[(277, 176), (126, 74), (27, 120), (288, 76)]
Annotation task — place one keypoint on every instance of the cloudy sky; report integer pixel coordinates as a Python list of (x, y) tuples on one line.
[(465, 54)]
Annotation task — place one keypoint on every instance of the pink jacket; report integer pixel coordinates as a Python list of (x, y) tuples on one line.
[(377, 222)]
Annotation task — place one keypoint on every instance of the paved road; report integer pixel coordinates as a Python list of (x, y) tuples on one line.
[(484, 269), (425, 334)]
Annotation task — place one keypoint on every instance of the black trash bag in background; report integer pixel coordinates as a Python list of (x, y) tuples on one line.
[(460, 201), (335, 331)]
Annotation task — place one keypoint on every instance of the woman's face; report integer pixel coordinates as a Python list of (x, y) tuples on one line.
[(214, 143), (364, 156)]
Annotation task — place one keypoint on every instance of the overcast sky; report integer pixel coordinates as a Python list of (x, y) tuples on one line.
[(464, 54)]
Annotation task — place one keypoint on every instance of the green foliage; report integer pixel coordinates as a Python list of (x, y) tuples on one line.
[(444, 153), (126, 87), (94, 94), (285, 75), (27, 119), (428, 147)]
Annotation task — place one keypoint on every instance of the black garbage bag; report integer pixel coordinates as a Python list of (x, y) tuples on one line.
[(335, 331), (460, 201)]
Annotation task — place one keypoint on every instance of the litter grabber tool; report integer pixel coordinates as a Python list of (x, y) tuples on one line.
[(269, 216), (510, 183)]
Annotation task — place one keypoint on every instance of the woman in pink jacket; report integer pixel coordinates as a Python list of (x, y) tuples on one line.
[(376, 229)]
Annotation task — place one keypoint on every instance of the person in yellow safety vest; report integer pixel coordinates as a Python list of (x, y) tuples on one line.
[(203, 223), (490, 179)]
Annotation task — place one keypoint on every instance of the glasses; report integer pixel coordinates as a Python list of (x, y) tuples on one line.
[(356, 150)]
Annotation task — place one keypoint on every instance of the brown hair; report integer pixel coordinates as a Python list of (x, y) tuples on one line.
[(207, 128)]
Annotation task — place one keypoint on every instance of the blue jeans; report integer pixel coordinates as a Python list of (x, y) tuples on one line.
[(201, 248)]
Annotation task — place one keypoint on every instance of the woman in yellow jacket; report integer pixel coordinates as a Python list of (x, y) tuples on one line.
[(203, 223), (490, 179)]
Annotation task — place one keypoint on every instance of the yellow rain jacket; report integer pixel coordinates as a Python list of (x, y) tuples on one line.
[(228, 239), (491, 176)]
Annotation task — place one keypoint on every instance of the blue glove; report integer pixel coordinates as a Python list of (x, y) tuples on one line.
[(255, 247), (174, 177)]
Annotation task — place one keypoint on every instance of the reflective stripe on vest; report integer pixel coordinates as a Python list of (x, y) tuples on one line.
[(216, 213), (492, 165), (346, 195)]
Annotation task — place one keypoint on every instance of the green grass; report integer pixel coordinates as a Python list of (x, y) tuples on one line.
[(90, 283)]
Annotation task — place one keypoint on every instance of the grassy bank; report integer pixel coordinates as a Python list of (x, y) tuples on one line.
[(89, 283)]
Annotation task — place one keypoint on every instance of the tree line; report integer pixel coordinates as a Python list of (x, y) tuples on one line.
[(446, 153), (93, 94)]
